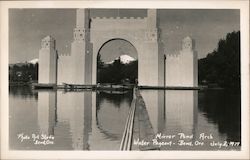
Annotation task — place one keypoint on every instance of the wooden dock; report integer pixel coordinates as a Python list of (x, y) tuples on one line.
[(107, 87), (76, 86), (43, 86), (170, 87)]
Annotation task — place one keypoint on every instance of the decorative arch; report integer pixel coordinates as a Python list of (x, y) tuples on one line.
[(142, 33), (90, 35)]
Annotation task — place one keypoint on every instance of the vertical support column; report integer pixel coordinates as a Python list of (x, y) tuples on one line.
[(81, 50), (188, 63), (88, 64), (195, 72), (152, 18), (47, 73), (94, 63), (161, 62), (88, 47), (151, 63)]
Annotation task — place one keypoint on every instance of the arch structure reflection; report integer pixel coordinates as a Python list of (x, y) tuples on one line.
[(70, 110), (172, 112), (83, 120)]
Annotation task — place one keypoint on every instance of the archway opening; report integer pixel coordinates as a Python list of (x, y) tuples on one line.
[(117, 62)]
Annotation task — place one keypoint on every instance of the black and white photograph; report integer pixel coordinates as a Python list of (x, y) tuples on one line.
[(160, 79)]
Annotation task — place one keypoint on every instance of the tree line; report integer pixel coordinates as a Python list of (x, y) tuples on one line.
[(116, 72), (23, 72), (222, 66)]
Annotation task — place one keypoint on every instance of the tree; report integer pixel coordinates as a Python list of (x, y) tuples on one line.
[(23, 72), (222, 66), (117, 72)]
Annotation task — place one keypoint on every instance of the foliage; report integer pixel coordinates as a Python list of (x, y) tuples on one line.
[(24, 72), (222, 66), (116, 72)]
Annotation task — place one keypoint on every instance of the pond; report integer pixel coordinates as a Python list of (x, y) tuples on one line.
[(94, 120)]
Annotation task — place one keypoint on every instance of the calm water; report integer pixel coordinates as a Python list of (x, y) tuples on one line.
[(95, 120)]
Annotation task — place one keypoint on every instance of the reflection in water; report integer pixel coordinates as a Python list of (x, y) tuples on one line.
[(47, 112), (223, 108), (22, 115), (82, 120), (90, 120), (171, 111), (112, 110), (22, 91), (111, 113), (75, 109)]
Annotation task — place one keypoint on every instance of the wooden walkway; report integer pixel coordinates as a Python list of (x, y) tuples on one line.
[(126, 142), (143, 128), (138, 126), (170, 88), (106, 86)]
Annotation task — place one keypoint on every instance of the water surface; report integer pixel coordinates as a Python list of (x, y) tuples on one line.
[(89, 120)]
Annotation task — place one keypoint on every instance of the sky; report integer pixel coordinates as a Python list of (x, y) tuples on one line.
[(206, 26)]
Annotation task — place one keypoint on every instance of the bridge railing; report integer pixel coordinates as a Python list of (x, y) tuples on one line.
[(128, 130)]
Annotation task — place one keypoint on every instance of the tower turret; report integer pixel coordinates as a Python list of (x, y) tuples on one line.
[(48, 61), (81, 32), (187, 43), (48, 42), (152, 18), (81, 55)]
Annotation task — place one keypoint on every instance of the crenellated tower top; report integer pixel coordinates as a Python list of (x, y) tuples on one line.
[(152, 18), (82, 18), (187, 43), (82, 24), (48, 42)]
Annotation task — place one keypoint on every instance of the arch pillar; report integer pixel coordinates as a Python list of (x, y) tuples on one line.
[(94, 65)]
